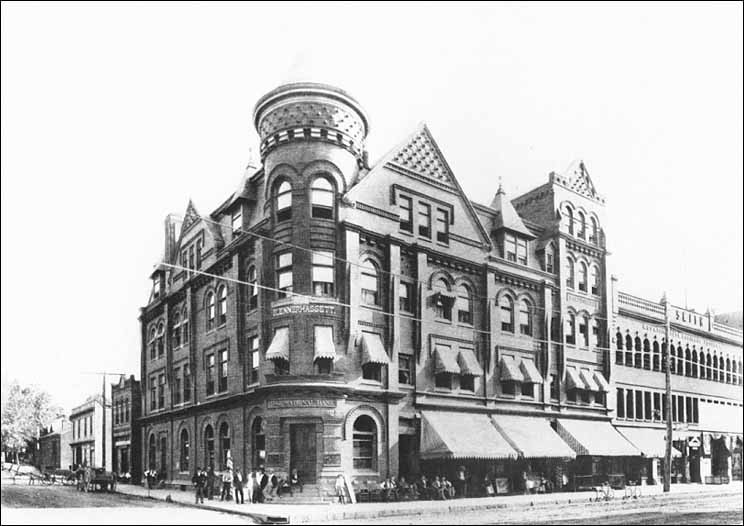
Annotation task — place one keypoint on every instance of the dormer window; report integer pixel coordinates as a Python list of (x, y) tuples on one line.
[(156, 284), (522, 251), (237, 221), (549, 260), (322, 198), (510, 247)]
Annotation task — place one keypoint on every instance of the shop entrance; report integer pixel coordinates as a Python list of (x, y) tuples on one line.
[(303, 451), (408, 456)]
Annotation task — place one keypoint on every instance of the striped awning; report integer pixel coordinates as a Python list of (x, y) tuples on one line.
[(469, 363), (596, 438), (279, 348), (599, 379), (324, 347), (532, 436), (445, 361), (573, 381), (588, 379), (509, 370), (457, 435), (530, 372), (651, 442), (373, 351)]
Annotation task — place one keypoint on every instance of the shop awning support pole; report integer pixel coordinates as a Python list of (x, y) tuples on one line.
[(668, 403)]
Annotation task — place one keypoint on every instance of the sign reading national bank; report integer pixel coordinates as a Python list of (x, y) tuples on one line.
[(299, 403)]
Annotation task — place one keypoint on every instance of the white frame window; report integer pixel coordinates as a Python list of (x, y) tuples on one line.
[(323, 273)]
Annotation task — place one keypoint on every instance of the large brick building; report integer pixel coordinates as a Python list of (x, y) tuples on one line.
[(332, 316)]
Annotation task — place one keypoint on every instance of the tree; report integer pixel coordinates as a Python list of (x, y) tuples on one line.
[(24, 412)]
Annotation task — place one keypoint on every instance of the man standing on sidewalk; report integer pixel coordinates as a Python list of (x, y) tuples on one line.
[(199, 480), (238, 483)]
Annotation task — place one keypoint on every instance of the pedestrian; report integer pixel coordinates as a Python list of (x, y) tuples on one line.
[(294, 480), (273, 484), (460, 482), (341, 489), (256, 488), (200, 480), (227, 478), (263, 481), (248, 486), (211, 476), (238, 484)]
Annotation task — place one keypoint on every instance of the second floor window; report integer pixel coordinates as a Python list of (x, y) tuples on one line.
[(582, 277), (323, 273), (570, 273), (210, 374), (370, 282), (595, 280), (186, 383), (405, 369), (571, 329), (210, 311), (253, 363), (284, 201), (405, 297), (252, 289), (442, 226), (464, 305), (176, 331), (510, 247), (284, 274), (442, 301), (161, 339), (525, 318), (222, 293), (177, 385), (506, 309), (424, 220), (237, 221), (322, 197), (584, 330), (161, 391), (185, 327), (223, 372), (153, 394), (406, 213), (522, 251)]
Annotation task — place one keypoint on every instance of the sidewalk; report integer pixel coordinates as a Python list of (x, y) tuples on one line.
[(315, 513)]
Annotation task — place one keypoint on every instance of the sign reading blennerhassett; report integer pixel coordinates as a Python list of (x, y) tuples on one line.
[(307, 308), (299, 403)]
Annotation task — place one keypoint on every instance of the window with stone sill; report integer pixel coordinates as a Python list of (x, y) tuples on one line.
[(467, 382), (525, 318), (405, 213), (222, 384), (324, 366), (582, 277), (372, 371), (405, 297), (222, 311), (571, 330), (506, 309), (284, 274), (424, 220), (210, 384), (442, 222), (322, 198), (464, 305), (210, 310), (370, 282), (584, 330), (253, 357), (595, 280), (443, 381), (405, 370), (584, 395), (237, 221), (528, 389), (509, 388), (323, 282), (161, 391), (281, 367), (510, 247), (570, 273), (177, 385)]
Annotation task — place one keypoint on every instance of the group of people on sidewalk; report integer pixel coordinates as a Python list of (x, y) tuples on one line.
[(258, 485)]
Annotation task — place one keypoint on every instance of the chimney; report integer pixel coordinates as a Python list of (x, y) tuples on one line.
[(170, 239)]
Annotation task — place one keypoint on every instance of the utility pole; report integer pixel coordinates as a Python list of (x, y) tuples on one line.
[(668, 403)]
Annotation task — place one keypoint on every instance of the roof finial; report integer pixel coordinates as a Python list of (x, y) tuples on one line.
[(501, 188), (251, 159)]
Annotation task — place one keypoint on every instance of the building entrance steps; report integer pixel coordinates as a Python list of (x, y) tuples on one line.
[(315, 513)]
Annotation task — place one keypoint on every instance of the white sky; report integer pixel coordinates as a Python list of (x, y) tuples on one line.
[(113, 116)]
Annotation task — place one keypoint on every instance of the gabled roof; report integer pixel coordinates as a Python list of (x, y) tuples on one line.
[(192, 217), (577, 179), (506, 217), (420, 155)]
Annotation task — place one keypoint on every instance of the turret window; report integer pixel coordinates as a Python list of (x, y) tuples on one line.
[(237, 221), (284, 202), (323, 274), (284, 274), (322, 198)]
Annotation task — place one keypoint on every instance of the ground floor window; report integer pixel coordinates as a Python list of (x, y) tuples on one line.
[(365, 443)]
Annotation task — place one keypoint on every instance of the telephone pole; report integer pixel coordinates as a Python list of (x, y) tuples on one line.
[(668, 402)]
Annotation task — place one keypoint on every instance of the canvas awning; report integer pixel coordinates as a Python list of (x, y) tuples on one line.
[(530, 372), (596, 438), (599, 379), (588, 378), (373, 351), (573, 381), (651, 442), (445, 361), (469, 363), (509, 370), (324, 347), (279, 348), (446, 434), (532, 436)]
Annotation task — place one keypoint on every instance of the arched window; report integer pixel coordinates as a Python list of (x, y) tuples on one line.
[(210, 310), (365, 443), (322, 198), (570, 273), (628, 350), (464, 305), (184, 462), (571, 329), (728, 370), (259, 442), (549, 259), (582, 225), (506, 308), (185, 327), (688, 362), (525, 318), (222, 293), (638, 362), (224, 444), (570, 216), (209, 446), (582, 277), (708, 366), (252, 289), (715, 367), (284, 201), (161, 339), (619, 351), (721, 373), (657, 353), (595, 280), (151, 453), (584, 330), (646, 354), (153, 344), (370, 282), (694, 363), (442, 300), (680, 361), (594, 236), (176, 331), (739, 368)]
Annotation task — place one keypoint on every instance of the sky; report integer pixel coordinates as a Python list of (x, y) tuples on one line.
[(114, 116)]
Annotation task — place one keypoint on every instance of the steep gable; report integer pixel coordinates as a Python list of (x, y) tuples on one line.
[(421, 155), (578, 180)]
